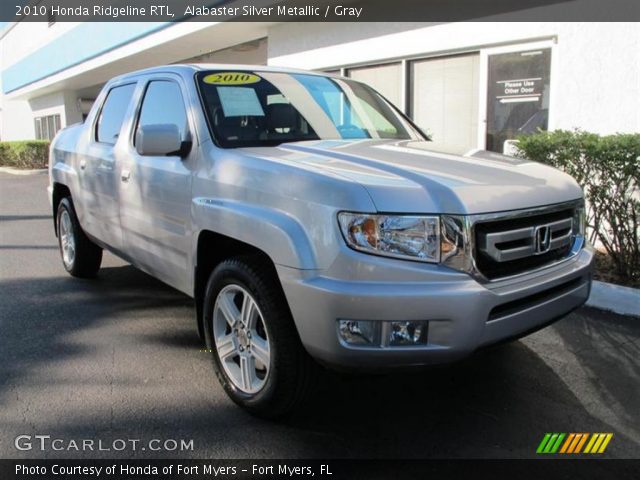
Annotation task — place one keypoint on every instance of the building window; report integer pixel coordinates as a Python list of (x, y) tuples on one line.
[(47, 127), (385, 79), (444, 101)]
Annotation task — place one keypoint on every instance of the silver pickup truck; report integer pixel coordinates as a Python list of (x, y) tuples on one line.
[(312, 224)]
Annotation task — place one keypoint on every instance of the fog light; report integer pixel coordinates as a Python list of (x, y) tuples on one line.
[(408, 333), (360, 332)]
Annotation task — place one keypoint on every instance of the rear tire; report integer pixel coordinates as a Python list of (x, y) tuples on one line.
[(257, 356), (80, 256)]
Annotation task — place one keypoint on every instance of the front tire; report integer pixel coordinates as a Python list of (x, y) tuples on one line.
[(80, 256), (257, 354)]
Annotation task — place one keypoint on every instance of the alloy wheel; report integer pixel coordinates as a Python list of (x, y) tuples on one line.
[(241, 339), (67, 239)]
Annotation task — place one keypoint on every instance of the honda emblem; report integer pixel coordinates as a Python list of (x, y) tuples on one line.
[(542, 239)]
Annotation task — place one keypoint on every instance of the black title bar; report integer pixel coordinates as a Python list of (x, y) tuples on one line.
[(542, 469), (318, 10)]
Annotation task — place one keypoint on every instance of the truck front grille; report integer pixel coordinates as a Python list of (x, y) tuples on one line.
[(514, 245)]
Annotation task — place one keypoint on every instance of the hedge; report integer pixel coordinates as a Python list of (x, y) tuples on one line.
[(24, 154), (608, 169)]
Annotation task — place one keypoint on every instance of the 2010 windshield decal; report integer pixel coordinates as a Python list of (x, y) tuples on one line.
[(231, 78)]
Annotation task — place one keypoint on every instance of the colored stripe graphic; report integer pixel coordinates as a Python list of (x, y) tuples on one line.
[(596, 446), (573, 443), (567, 443), (599, 443), (582, 442), (556, 446), (593, 443), (543, 443), (592, 440), (550, 443), (607, 439)]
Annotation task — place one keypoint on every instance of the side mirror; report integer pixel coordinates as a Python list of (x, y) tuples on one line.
[(159, 140)]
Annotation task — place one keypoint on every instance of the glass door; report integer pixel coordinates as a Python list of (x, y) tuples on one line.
[(518, 95)]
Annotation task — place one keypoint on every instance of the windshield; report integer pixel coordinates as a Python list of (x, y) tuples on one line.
[(267, 108)]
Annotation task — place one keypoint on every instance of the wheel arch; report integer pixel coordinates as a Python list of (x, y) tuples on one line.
[(59, 192), (212, 249)]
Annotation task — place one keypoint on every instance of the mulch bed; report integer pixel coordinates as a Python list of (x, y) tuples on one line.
[(605, 272)]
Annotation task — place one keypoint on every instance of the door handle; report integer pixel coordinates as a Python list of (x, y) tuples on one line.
[(125, 175), (83, 164)]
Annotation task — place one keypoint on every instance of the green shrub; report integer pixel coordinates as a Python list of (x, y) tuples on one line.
[(24, 154), (608, 169)]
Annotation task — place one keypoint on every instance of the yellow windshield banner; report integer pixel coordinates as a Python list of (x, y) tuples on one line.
[(231, 78)]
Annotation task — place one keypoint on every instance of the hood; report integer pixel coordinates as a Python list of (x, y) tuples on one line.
[(407, 177)]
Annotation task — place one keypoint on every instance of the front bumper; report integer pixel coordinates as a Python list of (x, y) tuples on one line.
[(463, 314)]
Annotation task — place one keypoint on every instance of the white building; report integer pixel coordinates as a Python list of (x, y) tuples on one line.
[(470, 85)]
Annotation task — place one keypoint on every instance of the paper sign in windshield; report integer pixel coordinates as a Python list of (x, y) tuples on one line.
[(239, 102)]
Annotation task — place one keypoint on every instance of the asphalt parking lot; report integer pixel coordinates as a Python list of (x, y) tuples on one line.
[(119, 358)]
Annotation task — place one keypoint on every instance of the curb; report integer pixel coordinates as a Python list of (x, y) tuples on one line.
[(17, 171), (615, 298)]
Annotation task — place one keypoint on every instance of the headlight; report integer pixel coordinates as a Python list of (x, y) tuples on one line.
[(400, 236)]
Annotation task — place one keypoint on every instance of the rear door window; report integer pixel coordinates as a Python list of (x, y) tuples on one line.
[(113, 112)]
